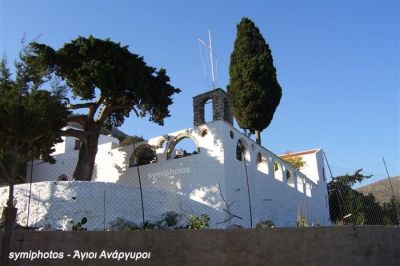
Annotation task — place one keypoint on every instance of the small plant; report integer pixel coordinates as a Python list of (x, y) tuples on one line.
[(302, 220), (78, 226), (170, 218), (121, 224), (265, 224), (198, 222)]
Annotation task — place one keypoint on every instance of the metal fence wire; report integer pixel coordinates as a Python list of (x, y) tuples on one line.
[(141, 197), (349, 206)]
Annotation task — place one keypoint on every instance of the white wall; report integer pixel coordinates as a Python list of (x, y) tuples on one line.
[(203, 177), (314, 166), (271, 198), (68, 144), (52, 203)]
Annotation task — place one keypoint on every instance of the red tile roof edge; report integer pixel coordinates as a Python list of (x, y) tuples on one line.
[(294, 154)]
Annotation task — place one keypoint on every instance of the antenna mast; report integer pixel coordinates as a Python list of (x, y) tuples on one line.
[(211, 58)]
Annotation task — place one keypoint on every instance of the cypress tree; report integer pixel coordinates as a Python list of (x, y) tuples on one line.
[(253, 86)]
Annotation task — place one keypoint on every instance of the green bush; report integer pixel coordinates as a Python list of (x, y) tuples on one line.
[(199, 222), (265, 224), (170, 218), (78, 226)]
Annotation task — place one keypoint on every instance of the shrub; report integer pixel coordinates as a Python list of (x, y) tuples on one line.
[(265, 224), (170, 218), (198, 222), (121, 224)]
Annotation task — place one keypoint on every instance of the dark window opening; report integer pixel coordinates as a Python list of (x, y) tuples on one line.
[(289, 178), (62, 177), (78, 144), (259, 158), (144, 155), (240, 150)]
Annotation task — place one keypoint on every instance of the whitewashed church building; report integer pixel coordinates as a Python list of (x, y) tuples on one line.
[(237, 182)]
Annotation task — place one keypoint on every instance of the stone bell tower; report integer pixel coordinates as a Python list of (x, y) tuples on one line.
[(221, 108)]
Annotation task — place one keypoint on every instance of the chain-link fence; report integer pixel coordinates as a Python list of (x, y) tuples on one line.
[(187, 192), (144, 197), (361, 207)]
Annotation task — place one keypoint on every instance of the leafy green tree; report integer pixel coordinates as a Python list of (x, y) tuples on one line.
[(347, 205), (253, 86), (110, 82), (31, 119), (390, 210), (296, 161)]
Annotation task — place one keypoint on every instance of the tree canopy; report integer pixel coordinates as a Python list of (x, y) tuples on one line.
[(31, 119), (253, 85), (348, 206), (110, 82), (296, 161)]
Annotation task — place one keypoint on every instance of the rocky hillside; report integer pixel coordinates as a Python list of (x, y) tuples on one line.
[(381, 189)]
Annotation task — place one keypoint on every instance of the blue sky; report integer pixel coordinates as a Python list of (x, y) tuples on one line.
[(338, 63)]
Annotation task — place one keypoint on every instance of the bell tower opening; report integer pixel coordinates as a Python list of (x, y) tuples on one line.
[(221, 107), (208, 111)]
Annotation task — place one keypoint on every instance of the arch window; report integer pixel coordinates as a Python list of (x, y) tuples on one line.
[(144, 154), (289, 178), (208, 110), (162, 143), (308, 189), (182, 146), (278, 171), (300, 184), (240, 150), (262, 163)]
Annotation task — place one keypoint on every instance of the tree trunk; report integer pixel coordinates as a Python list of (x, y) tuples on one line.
[(10, 219), (10, 212), (258, 136), (87, 155)]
